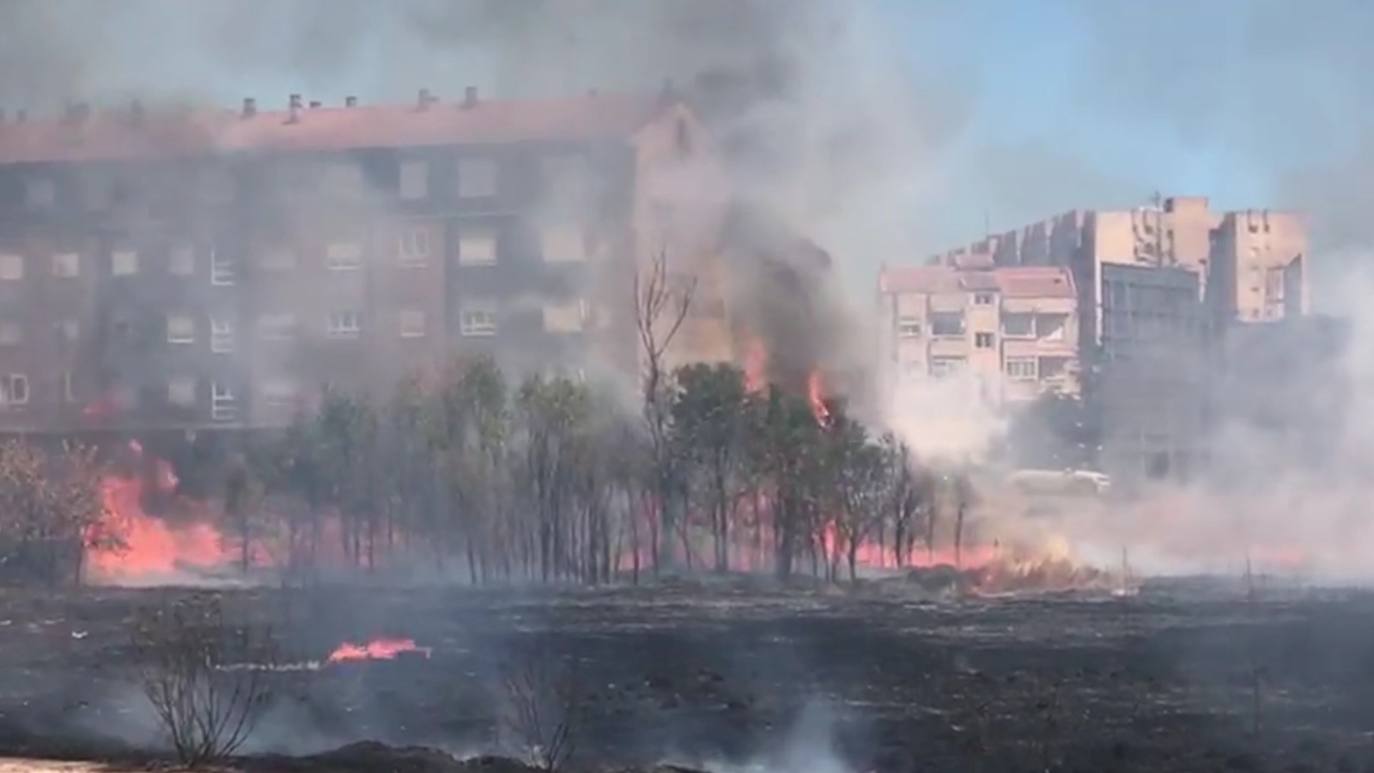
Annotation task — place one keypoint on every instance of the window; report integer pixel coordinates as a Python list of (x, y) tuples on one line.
[(477, 247), (982, 299), (1053, 367), (947, 323), (414, 180), (1050, 327), (14, 389), (279, 393), (908, 327), (277, 258), (412, 323), (1018, 325), (222, 269), (66, 264), (565, 317), (123, 262), (1021, 368), (223, 406), (277, 327), (413, 247), (941, 367), (68, 387), (181, 260), (39, 192), (68, 329), (477, 321), (181, 391), (11, 267), (11, 333), (476, 178), (221, 335), (344, 179), (345, 324), (181, 329), (983, 340), (342, 256), (564, 243)]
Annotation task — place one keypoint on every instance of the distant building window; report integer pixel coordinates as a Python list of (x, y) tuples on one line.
[(908, 327), (181, 260), (941, 367), (982, 299), (124, 262), (277, 327), (221, 335), (345, 324), (223, 270), (39, 193), (11, 333), (181, 391), (476, 178), (1018, 325), (343, 256), (1053, 367), (66, 264), (565, 317), (11, 267), (477, 321), (223, 405), (983, 340), (14, 389), (414, 180), (1021, 368), (1050, 327), (277, 258), (413, 247), (344, 179), (412, 323), (68, 329), (947, 323), (181, 329), (68, 387), (564, 243), (477, 247), (280, 393)]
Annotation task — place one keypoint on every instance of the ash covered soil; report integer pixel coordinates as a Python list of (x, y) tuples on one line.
[(728, 675)]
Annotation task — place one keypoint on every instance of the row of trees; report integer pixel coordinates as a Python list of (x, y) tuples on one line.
[(551, 479), (50, 511)]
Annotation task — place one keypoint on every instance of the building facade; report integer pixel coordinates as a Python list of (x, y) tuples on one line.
[(1011, 333), (217, 268), (1159, 287)]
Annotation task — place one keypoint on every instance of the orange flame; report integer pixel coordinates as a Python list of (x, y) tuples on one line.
[(151, 545), (377, 649), (755, 365), (815, 394)]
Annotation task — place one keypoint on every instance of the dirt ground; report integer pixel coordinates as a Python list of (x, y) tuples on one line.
[(740, 675)]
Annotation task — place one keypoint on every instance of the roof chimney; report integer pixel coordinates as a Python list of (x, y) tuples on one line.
[(470, 96), (668, 94), (294, 109), (315, 104), (424, 99), (350, 101), (21, 115), (136, 111), (250, 107), (77, 112)]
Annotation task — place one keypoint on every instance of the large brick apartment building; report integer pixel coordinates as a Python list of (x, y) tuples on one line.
[(215, 268)]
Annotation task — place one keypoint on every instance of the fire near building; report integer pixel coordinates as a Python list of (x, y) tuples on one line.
[(216, 268)]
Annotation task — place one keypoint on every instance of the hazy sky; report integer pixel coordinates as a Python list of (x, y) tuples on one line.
[(1004, 110)]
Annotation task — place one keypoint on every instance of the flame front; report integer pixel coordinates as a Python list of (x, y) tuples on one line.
[(815, 394), (377, 649), (151, 545)]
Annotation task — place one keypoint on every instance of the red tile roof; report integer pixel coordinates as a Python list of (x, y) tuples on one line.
[(1011, 281), (112, 136)]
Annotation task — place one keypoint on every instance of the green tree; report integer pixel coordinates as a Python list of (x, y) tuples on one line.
[(710, 420)]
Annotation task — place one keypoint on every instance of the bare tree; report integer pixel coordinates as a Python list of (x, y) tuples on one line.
[(543, 702), (660, 308), (203, 676)]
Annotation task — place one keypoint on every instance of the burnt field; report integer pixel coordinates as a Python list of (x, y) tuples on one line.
[(1183, 676)]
